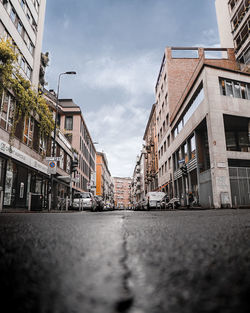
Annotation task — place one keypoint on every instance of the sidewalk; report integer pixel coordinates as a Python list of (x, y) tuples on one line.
[(23, 210)]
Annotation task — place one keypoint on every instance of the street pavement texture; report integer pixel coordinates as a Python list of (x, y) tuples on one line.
[(124, 261)]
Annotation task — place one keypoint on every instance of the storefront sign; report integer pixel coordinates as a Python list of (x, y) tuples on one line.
[(14, 153)]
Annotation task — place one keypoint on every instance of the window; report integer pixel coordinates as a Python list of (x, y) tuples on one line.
[(7, 111), (20, 27), (22, 2), (193, 147), (166, 167), (161, 151), (169, 163), (61, 162), (185, 150), (164, 126), (42, 145), (28, 71), (235, 89), (165, 146), (28, 131), (13, 15), (192, 106), (167, 120), (69, 122), (168, 140), (31, 47)]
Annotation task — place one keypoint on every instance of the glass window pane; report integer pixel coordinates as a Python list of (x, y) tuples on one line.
[(243, 91), (237, 90), (229, 89)]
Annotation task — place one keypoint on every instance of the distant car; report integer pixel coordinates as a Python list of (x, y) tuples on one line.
[(99, 203), (173, 203), (164, 202), (84, 201), (153, 199)]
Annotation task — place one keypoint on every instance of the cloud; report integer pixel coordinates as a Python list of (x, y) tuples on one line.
[(135, 74), (119, 131)]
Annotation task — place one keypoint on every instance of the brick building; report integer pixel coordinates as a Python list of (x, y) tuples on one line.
[(122, 191), (202, 125)]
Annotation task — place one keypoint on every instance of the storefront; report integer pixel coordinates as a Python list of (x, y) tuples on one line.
[(21, 175)]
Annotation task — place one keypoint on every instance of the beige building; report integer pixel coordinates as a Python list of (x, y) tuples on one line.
[(73, 126), (23, 22), (233, 18), (204, 147), (122, 192)]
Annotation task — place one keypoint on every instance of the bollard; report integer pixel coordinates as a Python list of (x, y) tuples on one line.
[(67, 203), (29, 204), (210, 201), (1, 199), (49, 204), (235, 202)]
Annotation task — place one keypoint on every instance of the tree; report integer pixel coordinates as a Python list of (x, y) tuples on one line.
[(28, 101)]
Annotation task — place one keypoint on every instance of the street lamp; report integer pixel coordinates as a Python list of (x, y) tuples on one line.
[(54, 137)]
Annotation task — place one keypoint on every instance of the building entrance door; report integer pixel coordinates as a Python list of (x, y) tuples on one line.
[(21, 187)]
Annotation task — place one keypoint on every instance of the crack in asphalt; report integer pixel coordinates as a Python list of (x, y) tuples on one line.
[(127, 299)]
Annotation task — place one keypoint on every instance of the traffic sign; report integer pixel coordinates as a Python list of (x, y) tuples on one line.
[(52, 167)]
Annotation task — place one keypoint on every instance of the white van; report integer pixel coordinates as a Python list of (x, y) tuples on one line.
[(153, 199)]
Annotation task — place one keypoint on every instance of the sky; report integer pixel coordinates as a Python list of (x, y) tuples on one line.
[(116, 48)]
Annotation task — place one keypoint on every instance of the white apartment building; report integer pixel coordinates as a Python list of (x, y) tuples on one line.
[(233, 18), (23, 22), (203, 122)]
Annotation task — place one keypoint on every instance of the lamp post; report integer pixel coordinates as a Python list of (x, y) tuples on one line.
[(54, 137)]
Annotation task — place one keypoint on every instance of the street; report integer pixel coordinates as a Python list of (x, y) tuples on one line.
[(125, 261)]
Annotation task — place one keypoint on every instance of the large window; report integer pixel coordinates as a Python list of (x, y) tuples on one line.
[(233, 88), (237, 133), (191, 107), (69, 122), (7, 108), (28, 131)]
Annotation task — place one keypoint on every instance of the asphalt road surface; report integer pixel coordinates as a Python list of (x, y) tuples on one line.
[(124, 261)]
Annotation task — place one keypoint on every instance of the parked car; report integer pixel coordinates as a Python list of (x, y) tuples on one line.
[(84, 201), (99, 203), (164, 202), (153, 200), (173, 203)]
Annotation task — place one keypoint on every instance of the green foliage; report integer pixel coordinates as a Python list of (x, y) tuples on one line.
[(28, 101), (7, 58)]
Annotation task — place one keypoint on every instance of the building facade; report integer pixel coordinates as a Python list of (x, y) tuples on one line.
[(23, 167), (233, 18), (151, 153), (122, 192), (23, 22), (24, 170), (138, 186), (204, 150), (104, 181), (73, 126)]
